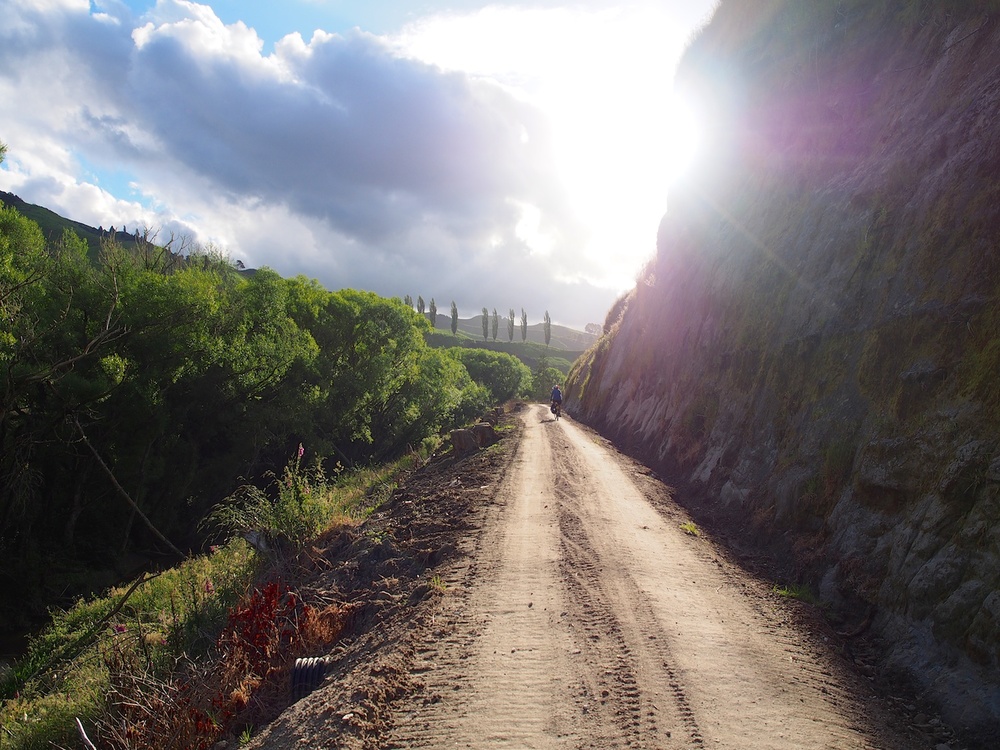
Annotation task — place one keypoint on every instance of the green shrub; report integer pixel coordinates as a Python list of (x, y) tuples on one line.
[(503, 375)]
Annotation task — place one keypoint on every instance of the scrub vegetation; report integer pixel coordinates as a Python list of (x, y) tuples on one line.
[(183, 657), (156, 405)]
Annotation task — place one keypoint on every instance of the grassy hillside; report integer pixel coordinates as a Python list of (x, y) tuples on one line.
[(562, 337), (529, 352), (565, 344), (53, 225)]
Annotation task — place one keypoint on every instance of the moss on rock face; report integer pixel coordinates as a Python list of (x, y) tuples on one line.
[(817, 344), (979, 370)]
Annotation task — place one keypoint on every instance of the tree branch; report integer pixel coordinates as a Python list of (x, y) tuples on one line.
[(123, 493), (83, 735)]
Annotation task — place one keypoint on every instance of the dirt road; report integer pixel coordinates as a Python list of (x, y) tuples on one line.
[(591, 619), (555, 599)]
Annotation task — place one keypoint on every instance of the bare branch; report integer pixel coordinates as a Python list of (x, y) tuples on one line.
[(83, 735), (123, 493)]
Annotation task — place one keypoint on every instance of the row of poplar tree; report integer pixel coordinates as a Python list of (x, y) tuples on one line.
[(491, 322)]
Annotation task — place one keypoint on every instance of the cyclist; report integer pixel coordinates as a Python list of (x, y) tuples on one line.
[(556, 400)]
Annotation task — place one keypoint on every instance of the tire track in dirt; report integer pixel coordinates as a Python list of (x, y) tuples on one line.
[(651, 712), (518, 648), (544, 595), (546, 661), (661, 710), (740, 680), (589, 619)]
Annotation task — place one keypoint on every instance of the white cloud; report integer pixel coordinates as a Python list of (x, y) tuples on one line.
[(343, 157), (602, 75)]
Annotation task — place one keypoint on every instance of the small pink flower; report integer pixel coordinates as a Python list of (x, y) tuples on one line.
[(209, 586), (301, 450), (119, 628)]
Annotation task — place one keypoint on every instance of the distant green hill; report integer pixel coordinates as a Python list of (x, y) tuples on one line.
[(52, 224), (563, 338), (529, 352), (565, 344)]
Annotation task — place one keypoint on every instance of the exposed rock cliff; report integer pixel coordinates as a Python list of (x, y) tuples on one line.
[(815, 350)]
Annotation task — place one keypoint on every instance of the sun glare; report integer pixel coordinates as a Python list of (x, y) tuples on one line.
[(621, 142), (682, 141)]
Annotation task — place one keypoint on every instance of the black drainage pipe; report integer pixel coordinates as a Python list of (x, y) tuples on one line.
[(307, 674)]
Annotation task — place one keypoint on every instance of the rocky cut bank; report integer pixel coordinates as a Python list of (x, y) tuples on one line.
[(815, 349)]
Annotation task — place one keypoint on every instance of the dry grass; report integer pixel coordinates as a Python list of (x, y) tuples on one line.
[(199, 653), (243, 683)]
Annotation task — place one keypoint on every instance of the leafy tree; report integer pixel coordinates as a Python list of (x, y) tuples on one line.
[(486, 324), (524, 325), (439, 394), (59, 327), (420, 304), (203, 370), (543, 378), (496, 323), (433, 313), (139, 385), (408, 300), (547, 327), (454, 318), (377, 386), (510, 325), (3, 151), (502, 374), (369, 354)]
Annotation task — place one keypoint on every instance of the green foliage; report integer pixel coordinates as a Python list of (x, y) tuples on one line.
[(144, 380), (375, 385), (543, 378), (799, 591), (454, 318), (150, 635), (160, 623), (503, 375), (287, 516), (547, 327), (23, 266), (529, 352), (486, 324)]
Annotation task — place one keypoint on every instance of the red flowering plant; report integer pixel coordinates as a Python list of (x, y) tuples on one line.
[(247, 674)]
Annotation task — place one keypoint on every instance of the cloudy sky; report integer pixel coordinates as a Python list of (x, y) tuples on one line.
[(499, 154)]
